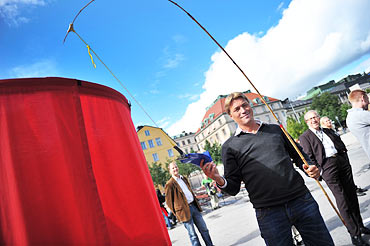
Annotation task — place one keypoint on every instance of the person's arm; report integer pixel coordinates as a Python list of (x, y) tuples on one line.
[(169, 191), (231, 181), (211, 171)]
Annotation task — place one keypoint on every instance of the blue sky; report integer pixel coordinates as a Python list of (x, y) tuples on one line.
[(170, 65)]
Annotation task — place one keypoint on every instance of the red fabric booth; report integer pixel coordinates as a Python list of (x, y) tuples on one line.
[(71, 167)]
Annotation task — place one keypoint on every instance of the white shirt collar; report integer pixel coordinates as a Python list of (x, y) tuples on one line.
[(314, 130), (239, 130)]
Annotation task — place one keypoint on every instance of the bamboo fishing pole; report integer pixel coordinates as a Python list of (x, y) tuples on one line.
[(71, 29), (264, 102)]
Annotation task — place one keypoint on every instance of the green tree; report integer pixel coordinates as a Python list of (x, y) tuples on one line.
[(343, 110), (186, 168), (296, 128), (214, 150), (159, 174), (328, 105)]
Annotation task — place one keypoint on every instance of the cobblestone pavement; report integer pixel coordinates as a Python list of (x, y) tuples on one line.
[(235, 223)]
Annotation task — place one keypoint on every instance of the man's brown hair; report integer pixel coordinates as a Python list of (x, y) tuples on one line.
[(355, 95), (231, 97)]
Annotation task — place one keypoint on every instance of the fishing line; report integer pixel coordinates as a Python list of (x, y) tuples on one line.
[(264, 102), (72, 29)]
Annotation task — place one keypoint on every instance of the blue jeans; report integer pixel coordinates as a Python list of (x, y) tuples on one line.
[(168, 222), (197, 219), (276, 222)]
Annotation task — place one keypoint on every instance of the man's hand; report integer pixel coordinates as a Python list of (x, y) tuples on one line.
[(312, 171), (210, 170)]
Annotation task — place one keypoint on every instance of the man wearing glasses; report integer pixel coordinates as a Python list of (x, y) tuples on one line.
[(328, 152)]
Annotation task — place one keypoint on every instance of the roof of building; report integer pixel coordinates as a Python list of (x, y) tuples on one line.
[(287, 104), (183, 134), (139, 128), (347, 83)]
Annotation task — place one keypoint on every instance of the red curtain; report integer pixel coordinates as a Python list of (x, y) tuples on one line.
[(71, 167)]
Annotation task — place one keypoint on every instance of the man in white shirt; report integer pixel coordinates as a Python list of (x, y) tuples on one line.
[(184, 205), (358, 118)]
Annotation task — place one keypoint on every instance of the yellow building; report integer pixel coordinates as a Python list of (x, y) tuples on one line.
[(156, 144)]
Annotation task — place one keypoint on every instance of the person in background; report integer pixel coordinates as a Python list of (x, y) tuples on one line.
[(211, 191), (325, 122), (184, 205), (328, 152), (260, 155), (358, 118), (161, 200)]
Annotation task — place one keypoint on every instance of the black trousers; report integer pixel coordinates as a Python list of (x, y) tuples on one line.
[(337, 173)]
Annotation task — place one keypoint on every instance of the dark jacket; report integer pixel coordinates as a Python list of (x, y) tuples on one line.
[(314, 148), (176, 200)]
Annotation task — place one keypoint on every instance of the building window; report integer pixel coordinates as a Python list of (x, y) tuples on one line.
[(159, 142), (268, 118), (155, 157), (220, 122), (147, 133), (189, 141), (170, 153), (217, 138), (191, 150), (143, 145), (151, 144), (183, 143), (224, 131)]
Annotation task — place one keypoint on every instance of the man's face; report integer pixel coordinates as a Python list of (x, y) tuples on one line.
[(313, 120), (174, 170), (241, 112), (326, 123)]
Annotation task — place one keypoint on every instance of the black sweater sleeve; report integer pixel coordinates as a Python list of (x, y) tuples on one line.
[(231, 172)]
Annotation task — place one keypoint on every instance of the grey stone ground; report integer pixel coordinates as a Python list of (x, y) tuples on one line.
[(235, 223)]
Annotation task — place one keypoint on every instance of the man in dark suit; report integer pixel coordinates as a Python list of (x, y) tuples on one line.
[(328, 152), (325, 122)]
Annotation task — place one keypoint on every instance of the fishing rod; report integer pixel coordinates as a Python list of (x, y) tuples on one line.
[(264, 102), (72, 29)]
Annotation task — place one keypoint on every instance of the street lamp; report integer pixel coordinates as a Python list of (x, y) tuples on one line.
[(344, 130)]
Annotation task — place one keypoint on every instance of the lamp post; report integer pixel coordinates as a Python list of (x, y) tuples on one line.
[(296, 116), (344, 130)]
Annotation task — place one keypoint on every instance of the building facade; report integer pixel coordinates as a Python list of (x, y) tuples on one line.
[(217, 126), (295, 109), (156, 145), (186, 142)]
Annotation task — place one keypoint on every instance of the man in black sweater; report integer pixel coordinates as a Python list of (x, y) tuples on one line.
[(260, 155)]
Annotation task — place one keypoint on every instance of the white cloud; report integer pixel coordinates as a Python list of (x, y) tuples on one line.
[(280, 7), (174, 61), (362, 67), (164, 122), (188, 96), (44, 68), (179, 39), (313, 39), (10, 10)]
